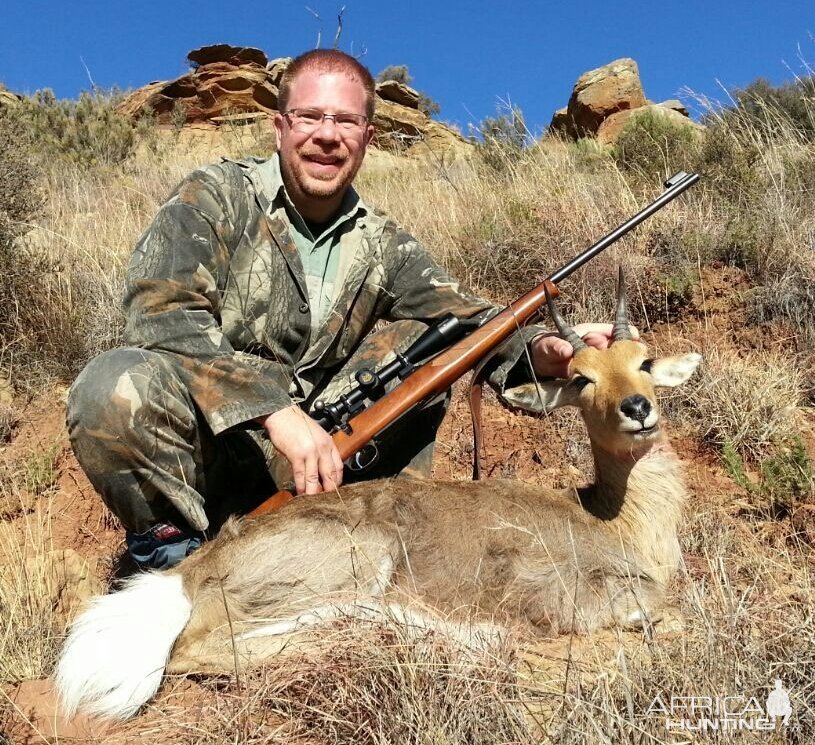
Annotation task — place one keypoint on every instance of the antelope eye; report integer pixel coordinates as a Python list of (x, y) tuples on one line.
[(646, 366), (580, 382)]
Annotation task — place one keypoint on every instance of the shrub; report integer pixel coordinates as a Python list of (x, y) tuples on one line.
[(20, 198), (773, 109), (651, 144), (51, 320), (502, 138), (731, 163), (87, 132), (20, 201), (784, 478), (788, 296)]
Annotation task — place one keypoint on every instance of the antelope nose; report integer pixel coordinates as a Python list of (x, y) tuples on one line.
[(636, 407)]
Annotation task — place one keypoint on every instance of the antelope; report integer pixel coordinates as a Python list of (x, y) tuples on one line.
[(507, 552)]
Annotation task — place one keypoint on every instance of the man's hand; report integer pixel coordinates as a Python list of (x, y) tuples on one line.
[(552, 355), (314, 457)]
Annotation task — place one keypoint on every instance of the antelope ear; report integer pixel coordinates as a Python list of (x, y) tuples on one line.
[(670, 372), (540, 397)]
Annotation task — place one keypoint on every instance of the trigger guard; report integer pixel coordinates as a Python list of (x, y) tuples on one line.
[(364, 459)]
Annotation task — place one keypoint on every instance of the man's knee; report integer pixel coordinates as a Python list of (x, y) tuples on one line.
[(119, 403), (122, 387), (131, 421)]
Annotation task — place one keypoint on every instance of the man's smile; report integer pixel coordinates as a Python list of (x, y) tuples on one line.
[(323, 164)]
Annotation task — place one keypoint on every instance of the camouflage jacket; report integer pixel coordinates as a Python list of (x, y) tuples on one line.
[(216, 282)]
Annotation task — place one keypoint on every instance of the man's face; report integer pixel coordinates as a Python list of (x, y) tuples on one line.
[(320, 163)]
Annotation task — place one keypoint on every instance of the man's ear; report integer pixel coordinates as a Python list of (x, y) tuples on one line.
[(370, 133), (670, 372), (278, 129), (543, 396)]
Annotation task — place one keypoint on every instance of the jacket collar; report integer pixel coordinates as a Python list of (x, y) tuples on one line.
[(354, 263)]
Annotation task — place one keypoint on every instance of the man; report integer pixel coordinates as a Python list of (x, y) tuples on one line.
[(253, 294)]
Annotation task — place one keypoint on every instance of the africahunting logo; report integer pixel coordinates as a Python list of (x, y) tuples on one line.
[(725, 713)]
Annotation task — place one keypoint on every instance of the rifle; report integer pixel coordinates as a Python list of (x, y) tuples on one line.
[(443, 354)]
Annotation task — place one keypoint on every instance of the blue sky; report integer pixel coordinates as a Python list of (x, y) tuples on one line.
[(468, 56)]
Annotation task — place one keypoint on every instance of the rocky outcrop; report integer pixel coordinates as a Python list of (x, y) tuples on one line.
[(410, 132), (276, 68), (238, 85), (225, 80), (604, 100), (7, 98), (393, 90)]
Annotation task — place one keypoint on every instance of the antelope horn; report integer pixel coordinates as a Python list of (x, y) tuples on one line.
[(621, 329), (567, 333)]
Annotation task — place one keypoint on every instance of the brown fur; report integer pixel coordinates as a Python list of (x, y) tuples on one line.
[(557, 560)]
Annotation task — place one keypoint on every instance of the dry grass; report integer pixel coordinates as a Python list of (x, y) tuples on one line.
[(8, 421), (750, 402), (370, 685), (747, 590), (30, 627)]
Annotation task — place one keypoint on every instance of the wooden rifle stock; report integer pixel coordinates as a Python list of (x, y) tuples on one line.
[(436, 376), (430, 379)]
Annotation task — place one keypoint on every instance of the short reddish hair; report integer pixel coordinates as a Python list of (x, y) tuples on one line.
[(327, 60)]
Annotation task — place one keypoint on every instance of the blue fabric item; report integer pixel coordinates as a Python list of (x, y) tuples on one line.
[(163, 546)]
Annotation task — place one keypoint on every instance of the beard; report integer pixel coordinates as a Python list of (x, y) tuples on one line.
[(320, 180)]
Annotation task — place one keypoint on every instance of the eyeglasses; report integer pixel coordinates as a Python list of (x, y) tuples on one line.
[(309, 119)]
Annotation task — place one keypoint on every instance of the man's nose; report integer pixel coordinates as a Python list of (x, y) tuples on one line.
[(327, 130)]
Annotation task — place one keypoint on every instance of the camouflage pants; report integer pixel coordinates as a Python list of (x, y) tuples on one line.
[(147, 450)]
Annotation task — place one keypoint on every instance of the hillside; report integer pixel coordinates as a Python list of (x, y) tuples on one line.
[(727, 270)]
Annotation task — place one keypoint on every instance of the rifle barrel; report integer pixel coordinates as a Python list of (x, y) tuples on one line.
[(674, 187)]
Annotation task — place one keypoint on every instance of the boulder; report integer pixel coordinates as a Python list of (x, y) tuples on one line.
[(561, 122), (611, 128), (227, 53), (7, 98), (392, 90), (276, 68), (409, 131), (602, 92), (675, 105)]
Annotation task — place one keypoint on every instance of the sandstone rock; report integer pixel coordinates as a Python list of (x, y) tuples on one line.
[(675, 105), (611, 128), (7, 98), (276, 68), (215, 89), (226, 53), (561, 122), (392, 90), (602, 92), (234, 85), (392, 118), (410, 132)]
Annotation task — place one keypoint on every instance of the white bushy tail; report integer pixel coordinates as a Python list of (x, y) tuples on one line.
[(116, 651)]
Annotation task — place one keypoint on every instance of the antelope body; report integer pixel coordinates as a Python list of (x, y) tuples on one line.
[(504, 551)]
